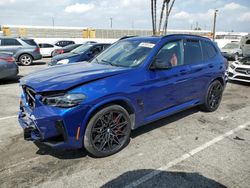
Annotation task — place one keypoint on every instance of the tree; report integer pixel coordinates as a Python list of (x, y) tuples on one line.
[(167, 6)]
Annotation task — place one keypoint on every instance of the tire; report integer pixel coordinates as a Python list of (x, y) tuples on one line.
[(26, 59), (213, 96), (108, 131)]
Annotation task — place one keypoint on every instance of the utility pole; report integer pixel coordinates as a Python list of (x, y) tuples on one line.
[(214, 25), (111, 23), (53, 21)]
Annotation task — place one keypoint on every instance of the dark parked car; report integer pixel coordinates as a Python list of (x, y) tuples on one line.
[(63, 43), (8, 66), (24, 50), (134, 82), (232, 50), (85, 52), (65, 49)]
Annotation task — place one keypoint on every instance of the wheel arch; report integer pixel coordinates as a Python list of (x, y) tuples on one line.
[(24, 53), (220, 79)]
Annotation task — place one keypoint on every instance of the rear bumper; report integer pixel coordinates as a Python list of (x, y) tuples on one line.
[(37, 56)]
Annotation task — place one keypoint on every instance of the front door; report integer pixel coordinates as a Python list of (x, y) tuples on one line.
[(168, 87)]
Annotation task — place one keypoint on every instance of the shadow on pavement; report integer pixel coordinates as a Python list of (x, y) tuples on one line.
[(162, 122), (10, 80), (239, 83), (74, 154), (169, 179), (60, 154), (33, 64)]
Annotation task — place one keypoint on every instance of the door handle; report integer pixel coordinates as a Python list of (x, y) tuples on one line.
[(184, 71), (210, 65)]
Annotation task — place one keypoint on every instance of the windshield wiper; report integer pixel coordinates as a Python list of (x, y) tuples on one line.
[(97, 61), (107, 62)]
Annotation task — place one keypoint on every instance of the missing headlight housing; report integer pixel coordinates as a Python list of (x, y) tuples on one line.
[(64, 101)]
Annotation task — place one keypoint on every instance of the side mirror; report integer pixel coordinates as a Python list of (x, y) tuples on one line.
[(157, 64), (90, 54)]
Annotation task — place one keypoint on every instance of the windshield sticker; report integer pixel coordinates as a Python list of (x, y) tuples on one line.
[(146, 45)]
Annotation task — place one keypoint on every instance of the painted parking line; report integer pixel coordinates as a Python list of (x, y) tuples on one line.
[(8, 117), (185, 156)]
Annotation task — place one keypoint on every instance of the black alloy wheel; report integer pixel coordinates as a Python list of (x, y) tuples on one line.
[(108, 131), (214, 96)]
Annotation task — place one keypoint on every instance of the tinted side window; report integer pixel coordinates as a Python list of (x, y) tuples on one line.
[(208, 50), (171, 54), (10, 42), (48, 46), (96, 50), (192, 51), (30, 42), (248, 42)]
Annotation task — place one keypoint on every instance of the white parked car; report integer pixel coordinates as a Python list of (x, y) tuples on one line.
[(240, 70), (47, 49)]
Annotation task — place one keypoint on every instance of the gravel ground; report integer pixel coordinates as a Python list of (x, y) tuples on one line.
[(189, 149)]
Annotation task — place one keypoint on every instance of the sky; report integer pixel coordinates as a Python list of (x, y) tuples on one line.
[(126, 14)]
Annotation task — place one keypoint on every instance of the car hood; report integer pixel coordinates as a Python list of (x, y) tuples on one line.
[(63, 56), (228, 50), (64, 77)]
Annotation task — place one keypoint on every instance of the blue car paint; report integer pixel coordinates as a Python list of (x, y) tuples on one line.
[(143, 90), (72, 57), (76, 57)]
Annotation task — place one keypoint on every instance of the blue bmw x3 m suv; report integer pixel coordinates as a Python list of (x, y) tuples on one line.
[(136, 81)]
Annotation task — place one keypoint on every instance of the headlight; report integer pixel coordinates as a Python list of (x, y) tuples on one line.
[(64, 101), (63, 62)]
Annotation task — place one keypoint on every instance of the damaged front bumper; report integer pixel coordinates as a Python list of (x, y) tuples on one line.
[(52, 126)]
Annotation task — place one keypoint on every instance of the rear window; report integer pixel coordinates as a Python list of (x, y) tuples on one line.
[(30, 42), (208, 49), (192, 51)]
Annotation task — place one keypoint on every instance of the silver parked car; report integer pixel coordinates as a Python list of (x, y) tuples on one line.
[(232, 50), (8, 66), (24, 50)]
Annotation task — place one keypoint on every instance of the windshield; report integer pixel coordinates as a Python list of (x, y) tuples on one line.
[(81, 49), (231, 46), (125, 53)]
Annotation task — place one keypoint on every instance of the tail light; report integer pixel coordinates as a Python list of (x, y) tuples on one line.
[(8, 59), (60, 51), (37, 49)]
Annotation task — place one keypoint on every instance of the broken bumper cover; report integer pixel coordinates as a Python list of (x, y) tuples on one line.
[(51, 126)]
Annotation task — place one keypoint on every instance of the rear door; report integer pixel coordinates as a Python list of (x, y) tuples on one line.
[(46, 49), (10, 45), (200, 55), (194, 59)]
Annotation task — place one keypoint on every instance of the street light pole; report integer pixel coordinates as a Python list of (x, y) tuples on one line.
[(111, 23), (214, 25), (53, 22)]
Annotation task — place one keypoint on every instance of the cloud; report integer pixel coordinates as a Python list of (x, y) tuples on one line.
[(79, 8), (126, 14), (232, 6), (182, 15), (245, 17), (6, 2)]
